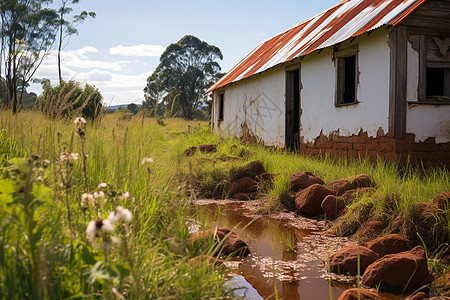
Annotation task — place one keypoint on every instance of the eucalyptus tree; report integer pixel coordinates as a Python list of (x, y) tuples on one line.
[(188, 66), (68, 27), (28, 30)]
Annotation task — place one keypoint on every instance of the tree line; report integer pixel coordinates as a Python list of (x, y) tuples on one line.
[(30, 29), (28, 32)]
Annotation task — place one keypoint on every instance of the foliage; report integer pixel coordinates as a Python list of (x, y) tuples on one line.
[(27, 34), (71, 98), (188, 67), (133, 108), (147, 258)]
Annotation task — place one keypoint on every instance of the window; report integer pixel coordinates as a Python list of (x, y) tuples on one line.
[(346, 76), (434, 67), (438, 83), (220, 115)]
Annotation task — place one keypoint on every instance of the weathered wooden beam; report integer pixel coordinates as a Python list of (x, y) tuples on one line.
[(397, 84)]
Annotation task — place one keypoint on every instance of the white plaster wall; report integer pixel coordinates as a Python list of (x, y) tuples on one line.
[(429, 121), (256, 103), (317, 96), (424, 120)]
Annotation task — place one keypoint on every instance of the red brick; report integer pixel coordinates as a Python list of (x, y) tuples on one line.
[(342, 146), (359, 147)]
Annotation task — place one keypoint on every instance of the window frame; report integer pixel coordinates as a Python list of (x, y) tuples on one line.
[(339, 59), (425, 62)]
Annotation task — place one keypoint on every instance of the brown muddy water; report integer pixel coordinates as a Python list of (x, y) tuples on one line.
[(287, 252)]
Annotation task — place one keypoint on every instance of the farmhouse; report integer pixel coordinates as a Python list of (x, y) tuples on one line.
[(368, 77)]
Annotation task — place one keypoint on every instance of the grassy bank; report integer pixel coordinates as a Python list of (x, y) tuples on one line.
[(44, 250)]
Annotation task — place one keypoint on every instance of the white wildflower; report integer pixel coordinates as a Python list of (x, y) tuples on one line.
[(107, 226), (102, 185), (120, 214), (80, 121), (87, 200), (147, 160), (99, 195), (68, 157), (95, 227), (124, 195)]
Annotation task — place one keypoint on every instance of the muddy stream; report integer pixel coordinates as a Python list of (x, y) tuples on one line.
[(287, 252)]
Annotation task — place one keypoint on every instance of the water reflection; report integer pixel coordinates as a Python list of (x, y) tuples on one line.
[(287, 252)]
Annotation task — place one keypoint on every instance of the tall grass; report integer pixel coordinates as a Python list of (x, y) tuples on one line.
[(155, 262), (46, 253)]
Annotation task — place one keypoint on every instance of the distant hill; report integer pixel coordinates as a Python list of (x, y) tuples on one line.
[(116, 107)]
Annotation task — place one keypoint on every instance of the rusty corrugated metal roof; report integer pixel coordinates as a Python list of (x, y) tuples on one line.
[(348, 18)]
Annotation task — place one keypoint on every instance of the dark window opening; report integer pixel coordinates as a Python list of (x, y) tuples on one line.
[(349, 84), (438, 82), (221, 107)]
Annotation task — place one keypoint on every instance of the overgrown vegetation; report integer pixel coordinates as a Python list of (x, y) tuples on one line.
[(92, 216), (71, 99), (145, 171)]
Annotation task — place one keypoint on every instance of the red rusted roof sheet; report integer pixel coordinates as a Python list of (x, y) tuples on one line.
[(348, 18)]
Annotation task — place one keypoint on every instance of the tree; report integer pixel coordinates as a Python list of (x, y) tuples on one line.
[(68, 28), (133, 108), (189, 67), (27, 34)]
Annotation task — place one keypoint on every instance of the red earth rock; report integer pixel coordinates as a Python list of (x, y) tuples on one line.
[(302, 180), (345, 261), (354, 182), (442, 201), (243, 185), (389, 244), (242, 196), (399, 271), (266, 177), (364, 294), (419, 296), (207, 148), (333, 206), (232, 244), (253, 169), (308, 201)]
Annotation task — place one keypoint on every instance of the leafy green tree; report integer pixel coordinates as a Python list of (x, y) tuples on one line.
[(68, 27), (189, 67), (28, 30), (133, 108)]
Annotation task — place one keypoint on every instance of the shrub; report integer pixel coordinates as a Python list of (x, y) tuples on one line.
[(69, 99)]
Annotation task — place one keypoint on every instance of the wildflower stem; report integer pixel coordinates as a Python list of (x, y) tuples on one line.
[(83, 153), (130, 261)]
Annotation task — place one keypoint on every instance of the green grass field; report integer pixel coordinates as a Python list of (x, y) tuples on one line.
[(48, 251)]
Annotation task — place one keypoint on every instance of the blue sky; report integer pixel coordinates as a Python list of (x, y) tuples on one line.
[(120, 48)]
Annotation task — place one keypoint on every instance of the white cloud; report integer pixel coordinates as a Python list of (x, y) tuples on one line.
[(83, 51), (97, 75), (119, 81), (137, 50)]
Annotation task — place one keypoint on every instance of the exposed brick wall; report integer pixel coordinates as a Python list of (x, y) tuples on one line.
[(382, 145)]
